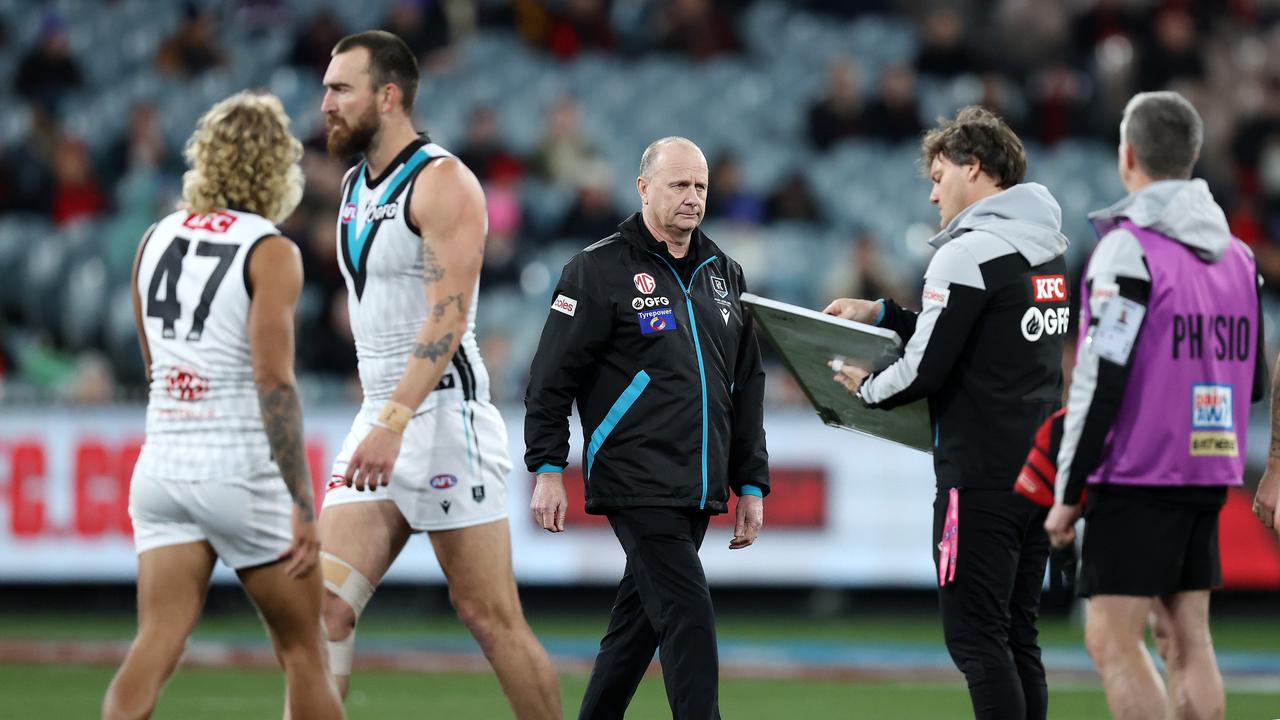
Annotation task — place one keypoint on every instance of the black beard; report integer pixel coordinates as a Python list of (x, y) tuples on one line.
[(348, 141)]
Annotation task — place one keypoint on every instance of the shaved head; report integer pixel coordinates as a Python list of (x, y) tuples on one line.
[(649, 160)]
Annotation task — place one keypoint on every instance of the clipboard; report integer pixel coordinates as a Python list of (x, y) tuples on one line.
[(806, 340)]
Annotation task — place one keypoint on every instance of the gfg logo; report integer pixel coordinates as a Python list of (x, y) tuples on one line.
[(639, 303), (1037, 323)]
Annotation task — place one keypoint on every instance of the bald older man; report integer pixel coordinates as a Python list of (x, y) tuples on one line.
[(646, 333)]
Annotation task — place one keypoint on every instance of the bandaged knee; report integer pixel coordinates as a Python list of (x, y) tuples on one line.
[(343, 580)]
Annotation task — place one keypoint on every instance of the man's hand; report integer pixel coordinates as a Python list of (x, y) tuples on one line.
[(750, 520), (850, 376), (1061, 525), (549, 503), (304, 552), (863, 311), (373, 459), (1266, 500)]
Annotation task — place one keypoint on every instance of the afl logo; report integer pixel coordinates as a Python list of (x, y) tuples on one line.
[(348, 212), (185, 384), (443, 482), (645, 283)]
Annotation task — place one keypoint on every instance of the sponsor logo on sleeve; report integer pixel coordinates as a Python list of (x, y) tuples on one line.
[(1212, 421), (1050, 288), (656, 321), (935, 296), (645, 283), (565, 304)]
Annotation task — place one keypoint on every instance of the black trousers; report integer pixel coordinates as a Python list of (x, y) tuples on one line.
[(989, 609), (663, 603)]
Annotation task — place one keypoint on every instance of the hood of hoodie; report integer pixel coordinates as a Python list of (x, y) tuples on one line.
[(1026, 216), (1183, 210)]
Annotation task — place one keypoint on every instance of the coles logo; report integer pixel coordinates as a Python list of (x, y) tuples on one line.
[(1050, 288), (213, 222), (185, 384), (443, 482), (645, 283), (348, 212)]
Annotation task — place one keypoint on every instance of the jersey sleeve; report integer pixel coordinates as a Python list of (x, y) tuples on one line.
[(1117, 273), (577, 329), (953, 298), (748, 457)]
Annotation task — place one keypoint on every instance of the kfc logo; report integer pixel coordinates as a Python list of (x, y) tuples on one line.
[(645, 283), (213, 222), (1050, 288)]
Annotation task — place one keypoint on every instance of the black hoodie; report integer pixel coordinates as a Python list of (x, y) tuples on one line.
[(665, 367)]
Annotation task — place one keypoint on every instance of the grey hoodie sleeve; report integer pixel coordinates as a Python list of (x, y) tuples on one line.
[(1118, 268), (953, 299)]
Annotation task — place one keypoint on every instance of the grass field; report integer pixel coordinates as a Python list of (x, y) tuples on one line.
[(200, 693)]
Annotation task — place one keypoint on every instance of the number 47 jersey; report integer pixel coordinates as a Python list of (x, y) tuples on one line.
[(203, 419)]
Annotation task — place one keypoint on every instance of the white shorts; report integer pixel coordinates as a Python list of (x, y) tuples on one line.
[(247, 520), (451, 472)]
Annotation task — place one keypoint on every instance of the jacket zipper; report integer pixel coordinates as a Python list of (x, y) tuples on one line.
[(697, 349)]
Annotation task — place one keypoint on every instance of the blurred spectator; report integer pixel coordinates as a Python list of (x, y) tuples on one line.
[(313, 44), (76, 194), (48, 71), (506, 225), (1100, 21), (141, 146), (580, 25), (869, 277), (422, 24), (894, 116), (1060, 104), (483, 149), (728, 198), (697, 28), (1173, 53), (792, 200), (29, 163), (592, 215), (564, 153), (838, 115), (943, 52), (192, 49)]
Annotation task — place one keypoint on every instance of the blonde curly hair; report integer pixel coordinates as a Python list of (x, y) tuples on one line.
[(242, 156)]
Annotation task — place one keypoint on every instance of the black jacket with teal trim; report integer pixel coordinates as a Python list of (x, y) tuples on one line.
[(664, 365)]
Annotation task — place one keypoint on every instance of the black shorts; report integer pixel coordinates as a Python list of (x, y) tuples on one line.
[(1150, 542)]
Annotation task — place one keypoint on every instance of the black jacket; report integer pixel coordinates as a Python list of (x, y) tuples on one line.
[(986, 349), (668, 382)]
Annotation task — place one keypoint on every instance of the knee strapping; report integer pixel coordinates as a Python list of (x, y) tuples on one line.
[(343, 580)]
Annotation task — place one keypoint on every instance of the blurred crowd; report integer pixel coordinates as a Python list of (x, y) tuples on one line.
[(1055, 70)]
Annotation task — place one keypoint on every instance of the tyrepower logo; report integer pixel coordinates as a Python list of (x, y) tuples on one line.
[(1050, 288), (213, 222), (645, 283), (185, 384)]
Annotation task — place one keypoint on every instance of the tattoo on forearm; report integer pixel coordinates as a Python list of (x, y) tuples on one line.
[(443, 306), (434, 350), (1275, 412), (432, 270), (282, 420)]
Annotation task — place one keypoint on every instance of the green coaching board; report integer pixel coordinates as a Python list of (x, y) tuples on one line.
[(807, 340)]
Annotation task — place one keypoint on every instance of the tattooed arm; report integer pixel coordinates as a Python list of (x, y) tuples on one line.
[(275, 281), (1266, 502), (447, 205)]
